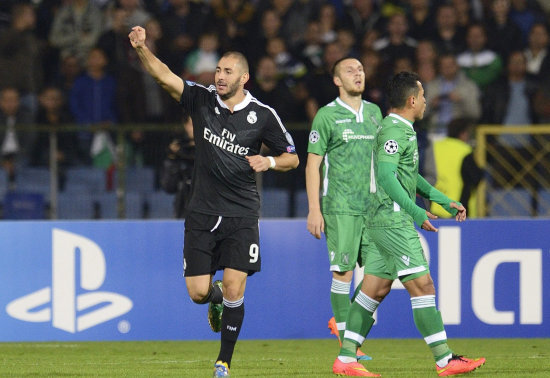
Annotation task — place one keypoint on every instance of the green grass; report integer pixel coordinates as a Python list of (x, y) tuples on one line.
[(264, 358)]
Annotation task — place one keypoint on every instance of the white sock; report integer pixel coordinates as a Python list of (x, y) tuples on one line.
[(346, 359)]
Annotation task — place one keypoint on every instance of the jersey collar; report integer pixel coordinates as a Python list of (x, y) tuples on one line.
[(405, 121), (358, 115), (241, 105)]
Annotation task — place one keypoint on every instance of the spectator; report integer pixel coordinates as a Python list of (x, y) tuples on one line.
[(141, 100), (290, 69), (346, 39), (425, 52), (361, 16), (464, 13), (311, 49), (449, 36), (70, 68), (525, 14), (503, 34), (114, 41), (450, 95), (53, 112), (374, 82), (234, 19), (328, 22), (479, 63), (320, 87), (269, 89), (76, 28), (15, 144), (508, 101), (20, 56), (200, 64), (396, 43), (269, 27), (93, 103), (450, 167), (421, 20), (181, 22), (294, 16), (135, 13), (537, 48), (177, 170)]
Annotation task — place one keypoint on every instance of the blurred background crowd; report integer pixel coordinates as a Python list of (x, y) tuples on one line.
[(70, 62)]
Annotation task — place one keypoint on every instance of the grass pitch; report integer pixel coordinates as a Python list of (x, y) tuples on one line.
[(263, 358)]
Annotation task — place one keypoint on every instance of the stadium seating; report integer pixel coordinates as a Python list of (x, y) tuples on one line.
[(161, 205), (509, 203), (275, 203)]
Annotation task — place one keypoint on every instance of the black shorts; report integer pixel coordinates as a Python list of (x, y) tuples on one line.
[(212, 243)]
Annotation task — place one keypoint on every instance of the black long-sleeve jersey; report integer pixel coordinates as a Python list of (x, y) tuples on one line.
[(223, 183)]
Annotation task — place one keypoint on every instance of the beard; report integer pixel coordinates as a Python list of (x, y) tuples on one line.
[(232, 89)]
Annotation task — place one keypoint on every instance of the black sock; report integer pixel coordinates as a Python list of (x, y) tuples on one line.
[(232, 320), (214, 295)]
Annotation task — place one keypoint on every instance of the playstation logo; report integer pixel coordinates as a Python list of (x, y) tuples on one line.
[(66, 305)]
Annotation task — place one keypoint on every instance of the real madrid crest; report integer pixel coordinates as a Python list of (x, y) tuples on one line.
[(252, 117)]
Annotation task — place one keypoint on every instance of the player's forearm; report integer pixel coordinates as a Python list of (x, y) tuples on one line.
[(393, 188), (160, 72), (286, 162), (426, 190), (313, 182)]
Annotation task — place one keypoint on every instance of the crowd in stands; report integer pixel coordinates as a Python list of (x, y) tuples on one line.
[(70, 61)]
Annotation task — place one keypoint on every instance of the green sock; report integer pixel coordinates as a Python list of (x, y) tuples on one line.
[(430, 325), (358, 324), (357, 290), (339, 300)]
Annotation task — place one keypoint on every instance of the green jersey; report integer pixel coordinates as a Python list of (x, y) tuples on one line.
[(396, 143), (345, 138)]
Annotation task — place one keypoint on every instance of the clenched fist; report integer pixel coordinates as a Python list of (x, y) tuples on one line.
[(137, 37)]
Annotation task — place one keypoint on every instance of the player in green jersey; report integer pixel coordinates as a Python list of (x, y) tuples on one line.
[(396, 252), (342, 139)]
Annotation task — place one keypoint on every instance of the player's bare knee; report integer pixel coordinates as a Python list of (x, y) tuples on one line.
[(198, 296), (232, 293)]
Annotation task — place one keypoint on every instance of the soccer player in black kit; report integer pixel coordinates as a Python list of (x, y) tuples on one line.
[(221, 225)]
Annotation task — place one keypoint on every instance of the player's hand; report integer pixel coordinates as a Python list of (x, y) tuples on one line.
[(427, 225), (461, 214), (315, 223), (137, 37), (258, 163)]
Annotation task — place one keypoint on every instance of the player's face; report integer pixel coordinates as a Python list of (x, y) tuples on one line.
[(228, 77), (420, 102), (352, 76)]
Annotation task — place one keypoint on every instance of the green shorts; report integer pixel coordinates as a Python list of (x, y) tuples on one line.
[(397, 253), (347, 241)]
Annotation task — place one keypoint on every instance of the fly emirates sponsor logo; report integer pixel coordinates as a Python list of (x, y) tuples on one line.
[(225, 141)]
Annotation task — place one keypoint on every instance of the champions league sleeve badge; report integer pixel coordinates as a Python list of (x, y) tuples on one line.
[(314, 136), (391, 146)]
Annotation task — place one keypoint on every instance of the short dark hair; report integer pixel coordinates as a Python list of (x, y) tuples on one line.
[(240, 57), (458, 125), (400, 87), (340, 61)]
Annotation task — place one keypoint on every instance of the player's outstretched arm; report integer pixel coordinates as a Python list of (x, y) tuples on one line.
[(315, 221), (169, 81)]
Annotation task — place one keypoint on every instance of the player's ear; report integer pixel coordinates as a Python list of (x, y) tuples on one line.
[(244, 78), (337, 81)]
